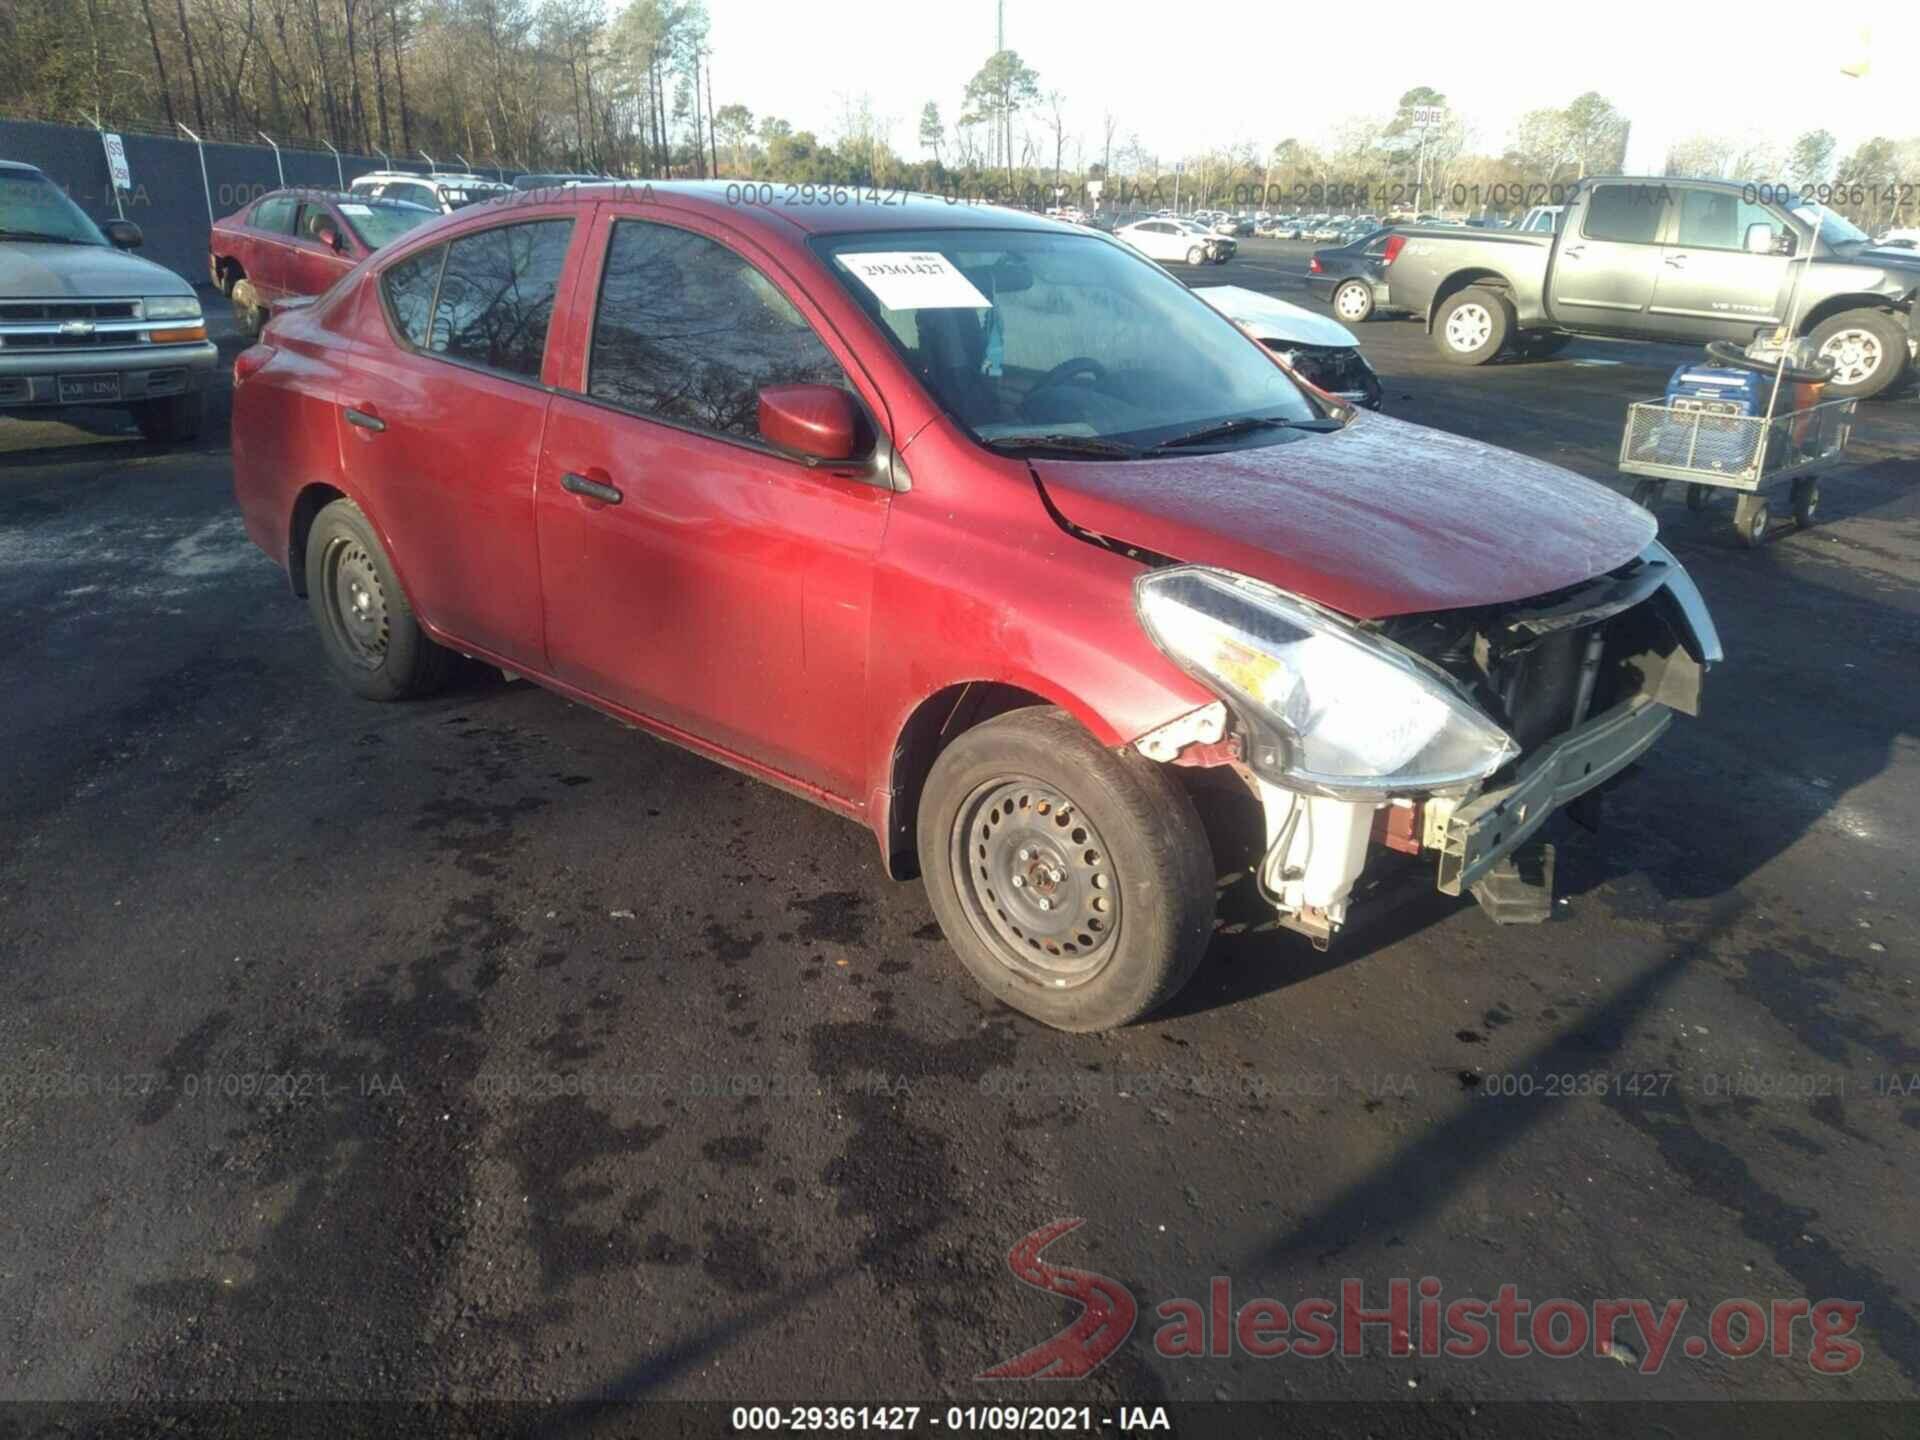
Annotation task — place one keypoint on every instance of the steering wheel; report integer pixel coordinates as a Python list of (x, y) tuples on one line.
[(1072, 369)]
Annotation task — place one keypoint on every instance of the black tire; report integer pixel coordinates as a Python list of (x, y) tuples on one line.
[(1850, 333), (1699, 497), (381, 652), (1476, 313), (173, 420), (1647, 493), (248, 314), (1197, 255), (1806, 501), (1129, 868), (1751, 519), (1359, 302)]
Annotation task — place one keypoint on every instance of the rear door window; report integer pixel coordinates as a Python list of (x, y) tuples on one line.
[(1625, 214), (275, 213), (496, 296)]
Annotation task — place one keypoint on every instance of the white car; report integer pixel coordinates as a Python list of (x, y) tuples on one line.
[(444, 191), (1321, 351), (1170, 241)]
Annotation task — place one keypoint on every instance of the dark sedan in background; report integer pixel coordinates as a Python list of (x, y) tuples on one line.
[(1352, 277)]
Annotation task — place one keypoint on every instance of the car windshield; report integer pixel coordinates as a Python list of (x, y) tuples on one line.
[(1024, 334), (379, 223), (32, 207), (1835, 228)]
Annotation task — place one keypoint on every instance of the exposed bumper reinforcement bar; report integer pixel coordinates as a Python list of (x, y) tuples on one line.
[(1491, 826)]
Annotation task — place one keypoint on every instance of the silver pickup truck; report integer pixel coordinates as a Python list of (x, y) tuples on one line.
[(1667, 259), (82, 323)]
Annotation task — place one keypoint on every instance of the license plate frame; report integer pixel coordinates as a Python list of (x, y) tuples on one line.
[(100, 389)]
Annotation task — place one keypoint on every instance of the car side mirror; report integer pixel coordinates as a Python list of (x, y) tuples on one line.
[(814, 422), (124, 235)]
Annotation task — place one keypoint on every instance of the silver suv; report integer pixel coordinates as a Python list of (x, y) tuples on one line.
[(82, 323), (445, 191)]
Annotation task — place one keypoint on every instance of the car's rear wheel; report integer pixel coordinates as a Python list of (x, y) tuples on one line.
[(1075, 883), (1353, 301), (1868, 352), (1472, 326), (172, 420), (367, 627), (1197, 255)]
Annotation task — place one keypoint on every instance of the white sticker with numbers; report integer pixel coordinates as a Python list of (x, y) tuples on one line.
[(915, 280)]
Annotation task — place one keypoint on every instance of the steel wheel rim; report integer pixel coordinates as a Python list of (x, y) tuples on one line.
[(1469, 327), (1757, 522), (357, 602), (1036, 881), (1855, 355), (1350, 302)]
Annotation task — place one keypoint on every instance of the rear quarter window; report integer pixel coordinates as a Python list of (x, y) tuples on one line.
[(409, 287)]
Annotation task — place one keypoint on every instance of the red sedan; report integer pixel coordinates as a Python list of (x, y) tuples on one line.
[(295, 243), (975, 527)]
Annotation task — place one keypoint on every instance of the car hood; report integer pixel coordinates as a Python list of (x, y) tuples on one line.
[(1381, 518), (1266, 318), (31, 271)]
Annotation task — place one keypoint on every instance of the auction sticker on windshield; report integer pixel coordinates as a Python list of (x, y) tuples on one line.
[(347, 209), (915, 280)]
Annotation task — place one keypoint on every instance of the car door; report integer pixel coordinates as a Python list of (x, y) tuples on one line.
[(312, 264), (272, 224), (725, 589), (1603, 275), (442, 422), (1710, 286)]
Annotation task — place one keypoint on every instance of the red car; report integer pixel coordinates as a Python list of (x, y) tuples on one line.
[(977, 528), (293, 243)]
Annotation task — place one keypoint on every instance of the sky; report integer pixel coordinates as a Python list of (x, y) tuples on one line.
[(1275, 71)]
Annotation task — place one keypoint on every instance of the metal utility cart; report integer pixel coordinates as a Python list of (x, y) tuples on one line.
[(1746, 454)]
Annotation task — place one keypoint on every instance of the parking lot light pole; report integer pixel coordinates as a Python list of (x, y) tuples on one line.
[(205, 184), (339, 173), (279, 169)]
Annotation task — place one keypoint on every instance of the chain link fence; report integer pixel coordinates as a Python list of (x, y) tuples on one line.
[(172, 199)]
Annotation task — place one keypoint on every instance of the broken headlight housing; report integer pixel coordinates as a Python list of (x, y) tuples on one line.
[(1329, 708)]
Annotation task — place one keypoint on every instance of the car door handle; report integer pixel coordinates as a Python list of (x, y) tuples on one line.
[(592, 489), (1573, 252), (365, 421), (1678, 262)]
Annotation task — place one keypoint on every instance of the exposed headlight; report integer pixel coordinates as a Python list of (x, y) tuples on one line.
[(1330, 709), (170, 307)]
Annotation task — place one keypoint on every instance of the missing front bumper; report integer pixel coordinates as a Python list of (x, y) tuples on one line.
[(1491, 826)]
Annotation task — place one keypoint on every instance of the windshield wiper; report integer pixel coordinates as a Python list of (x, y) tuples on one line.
[(1066, 444), (39, 235), (1226, 429)]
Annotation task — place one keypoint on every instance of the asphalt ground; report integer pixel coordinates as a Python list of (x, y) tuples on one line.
[(483, 1048)]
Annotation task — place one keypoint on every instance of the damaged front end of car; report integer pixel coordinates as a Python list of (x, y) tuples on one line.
[(1456, 733)]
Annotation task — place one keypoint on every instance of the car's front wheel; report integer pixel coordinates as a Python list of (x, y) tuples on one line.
[(1197, 255), (367, 627), (1353, 301), (1868, 352), (1075, 883)]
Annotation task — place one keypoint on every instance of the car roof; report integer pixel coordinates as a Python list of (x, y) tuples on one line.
[(314, 192), (20, 167), (832, 210)]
